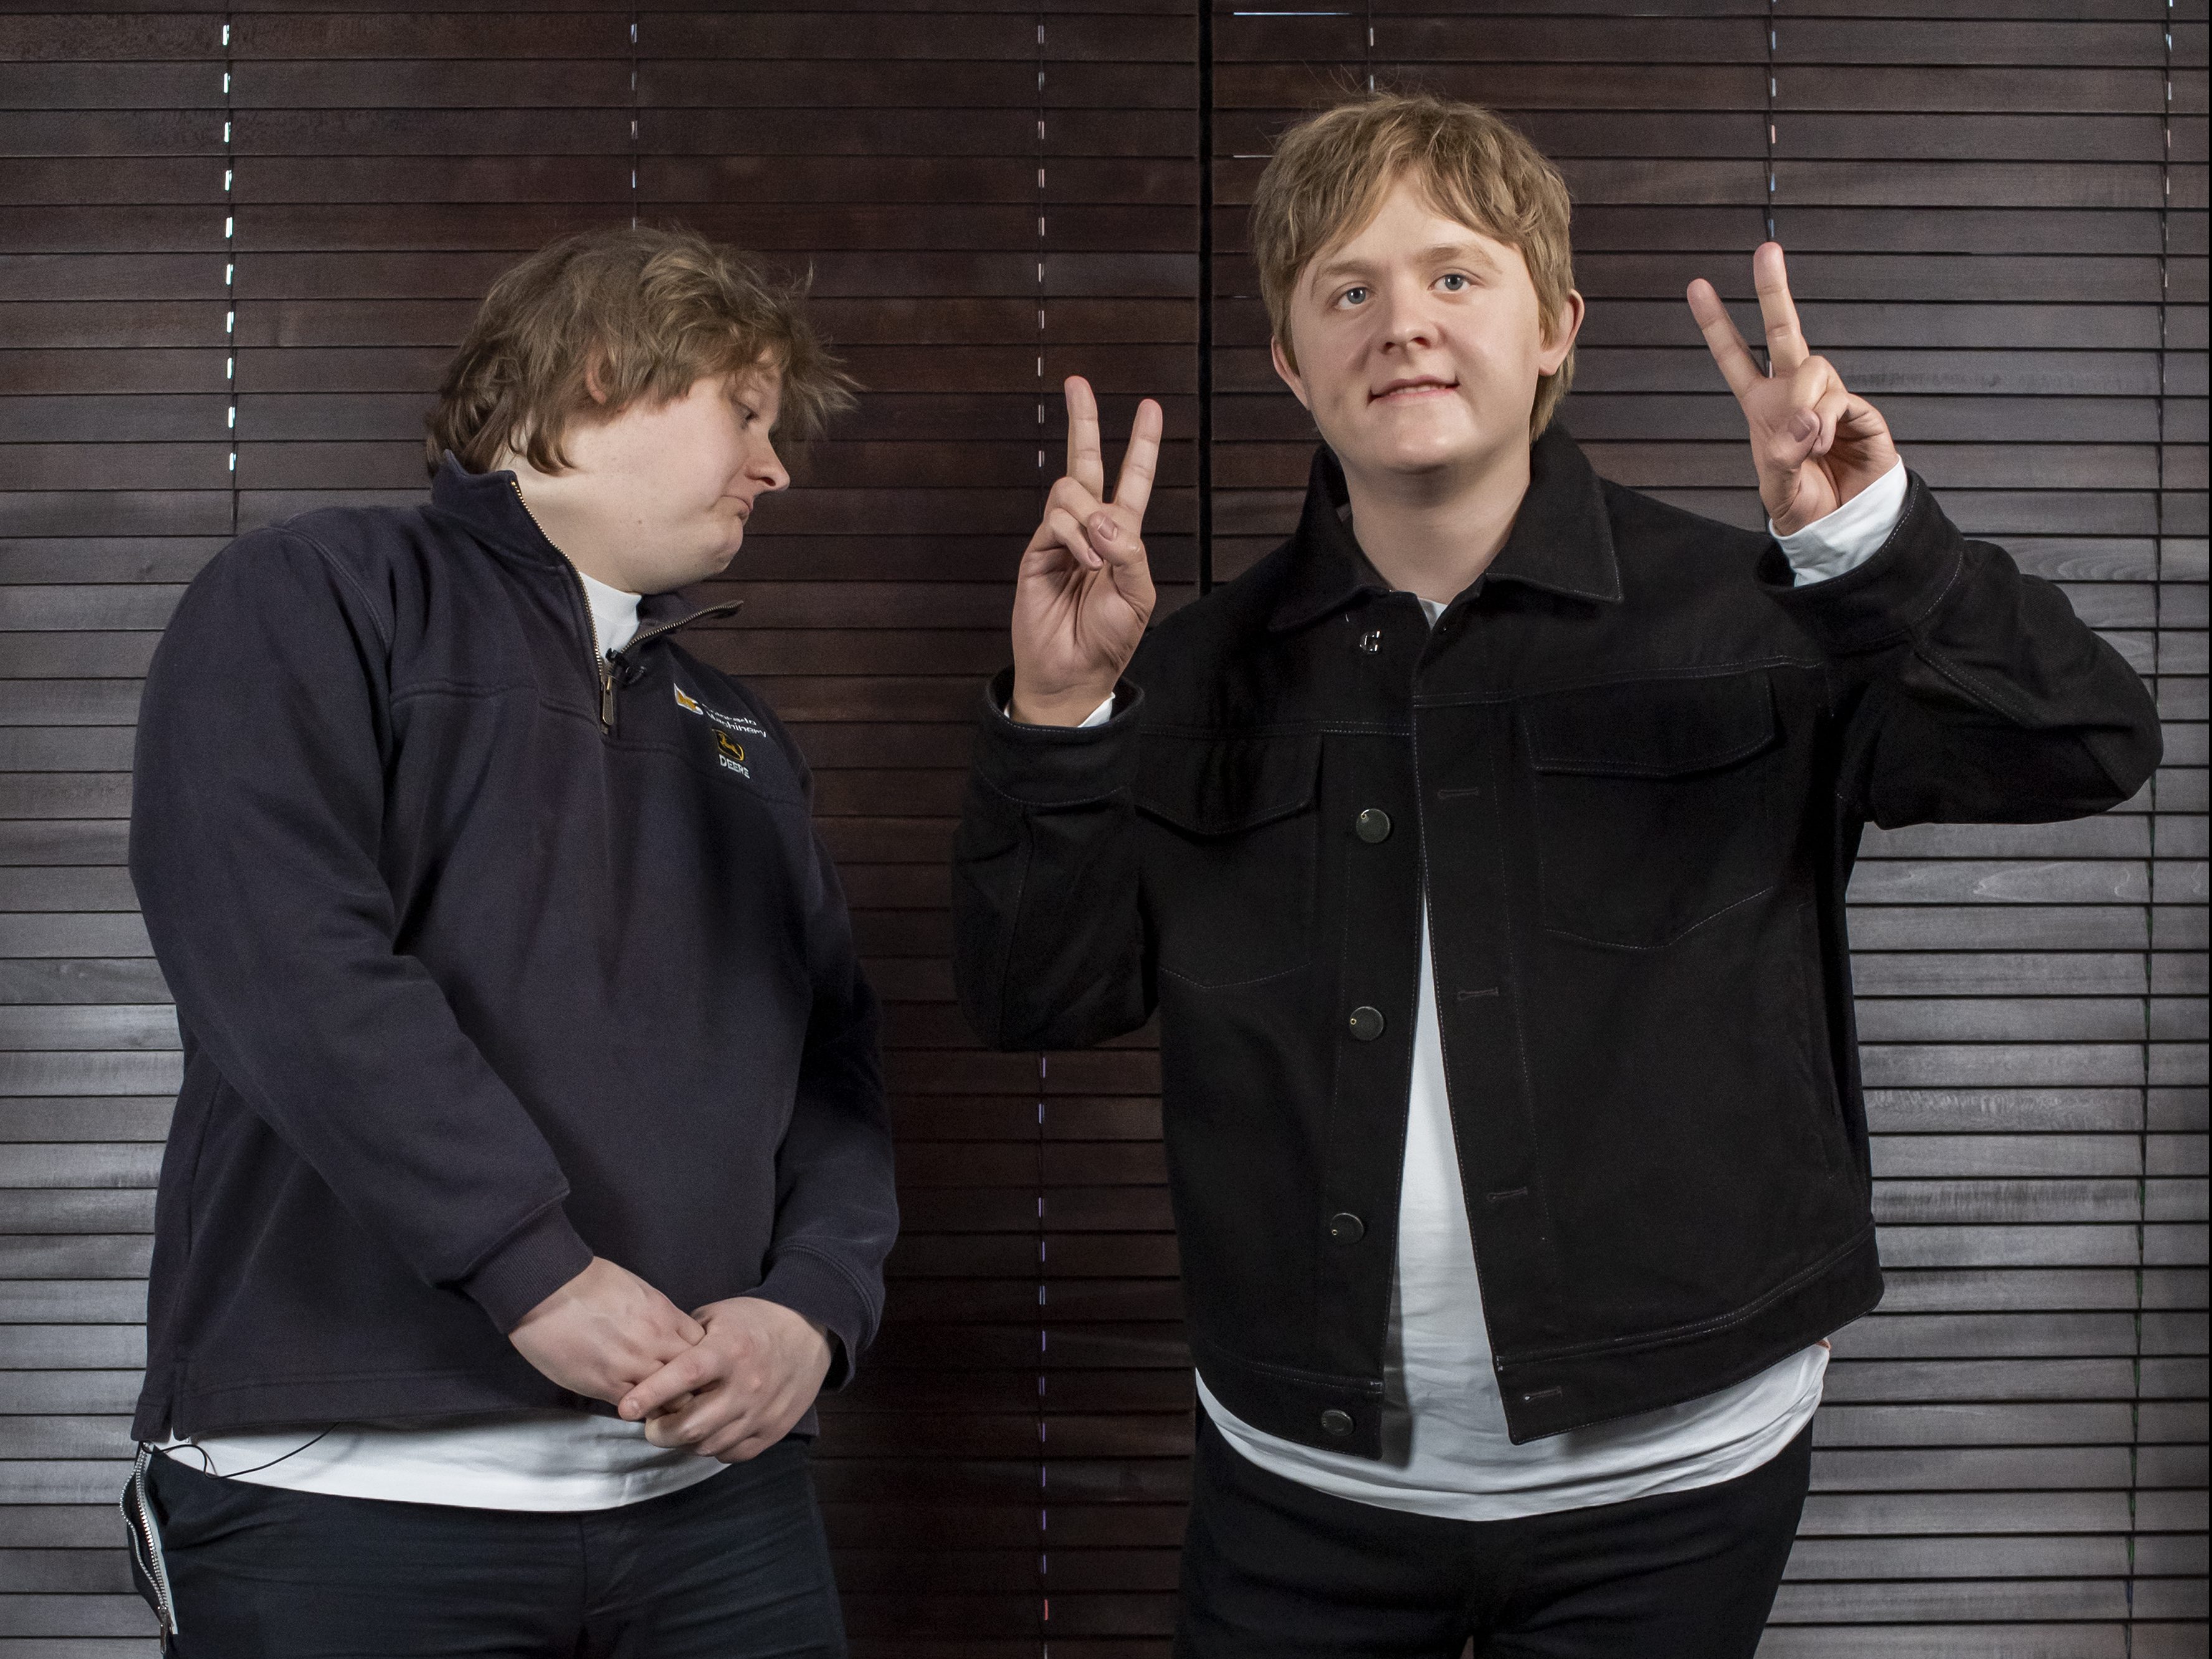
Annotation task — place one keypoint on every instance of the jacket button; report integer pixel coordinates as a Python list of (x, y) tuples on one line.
[(1372, 825), (1335, 1424), (1367, 1022), (1346, 1228)]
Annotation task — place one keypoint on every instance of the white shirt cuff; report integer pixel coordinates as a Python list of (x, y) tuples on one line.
[(1848, 536), (1097, 716)]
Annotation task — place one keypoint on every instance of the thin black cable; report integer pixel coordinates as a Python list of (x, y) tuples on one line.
[(238, 1473)]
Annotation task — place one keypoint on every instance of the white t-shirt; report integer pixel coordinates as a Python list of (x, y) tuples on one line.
[(546, 1460)]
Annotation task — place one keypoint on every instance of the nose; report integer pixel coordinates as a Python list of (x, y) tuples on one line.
[(768, 467), (1407, 321)]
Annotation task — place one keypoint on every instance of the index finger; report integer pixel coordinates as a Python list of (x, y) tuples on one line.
[(1737, 366), (1786, 350), (1142, 461), (1084, 463), (678, 1376)]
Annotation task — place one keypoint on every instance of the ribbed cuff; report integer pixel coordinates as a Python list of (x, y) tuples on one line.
[(1885, 599), (1056, 765), (814, 1288), (536, 1260)]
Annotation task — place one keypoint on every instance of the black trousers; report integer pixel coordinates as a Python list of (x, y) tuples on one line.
[(1274, 1569), (733, 1568)]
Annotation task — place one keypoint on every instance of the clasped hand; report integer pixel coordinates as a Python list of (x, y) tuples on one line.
[(728, 1380)]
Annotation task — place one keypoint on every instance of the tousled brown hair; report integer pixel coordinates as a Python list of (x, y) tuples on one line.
[(1328, 176), (626, 312)]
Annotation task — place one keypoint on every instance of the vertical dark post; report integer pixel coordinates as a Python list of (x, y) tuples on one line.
[(1205, 296), (229, 274)]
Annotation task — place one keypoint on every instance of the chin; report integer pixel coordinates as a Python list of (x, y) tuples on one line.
[(1415, 457)]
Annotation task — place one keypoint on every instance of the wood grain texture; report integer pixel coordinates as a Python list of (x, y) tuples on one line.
[(1996, 230)]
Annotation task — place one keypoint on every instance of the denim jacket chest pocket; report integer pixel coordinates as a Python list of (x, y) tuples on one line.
[(1653, 805), (1232, 846)]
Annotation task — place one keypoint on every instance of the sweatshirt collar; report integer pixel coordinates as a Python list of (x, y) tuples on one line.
[(490, 506), (1561, 540)]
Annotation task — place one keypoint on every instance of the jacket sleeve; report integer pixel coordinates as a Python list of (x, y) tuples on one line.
[(256, 821), (1969, 693), (836, 1202), (1048, 941)]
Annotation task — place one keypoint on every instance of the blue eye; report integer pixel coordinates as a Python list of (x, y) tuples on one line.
[(1454, 281), (1352, 296)]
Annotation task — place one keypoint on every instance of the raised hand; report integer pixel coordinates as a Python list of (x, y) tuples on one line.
[(1816, 443), (1084, 593)]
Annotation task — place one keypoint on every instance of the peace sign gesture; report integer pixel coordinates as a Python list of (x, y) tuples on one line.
[(1816, 443), (1084, 593)]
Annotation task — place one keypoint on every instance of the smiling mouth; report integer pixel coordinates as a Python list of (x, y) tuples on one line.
[(1410, 389)]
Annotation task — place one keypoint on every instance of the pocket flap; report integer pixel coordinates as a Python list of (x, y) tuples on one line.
[(1651, 728), (1220, 785)]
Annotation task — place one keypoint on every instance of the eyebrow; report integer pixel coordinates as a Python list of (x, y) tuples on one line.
[(1468, 253)]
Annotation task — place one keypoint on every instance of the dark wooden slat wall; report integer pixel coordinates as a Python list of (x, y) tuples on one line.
[(1996, 242), (992, 201), (988, 200), (115, 486), (1990, 232), (1991, 236)]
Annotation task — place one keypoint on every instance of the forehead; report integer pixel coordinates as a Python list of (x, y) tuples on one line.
[(760, 386), (1406, 223)]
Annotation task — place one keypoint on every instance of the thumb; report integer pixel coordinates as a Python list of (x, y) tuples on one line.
[(1796, 441), (1787, 450), (1113, 539)]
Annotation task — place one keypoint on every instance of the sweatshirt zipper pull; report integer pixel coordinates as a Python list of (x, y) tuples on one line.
[(607, 693)]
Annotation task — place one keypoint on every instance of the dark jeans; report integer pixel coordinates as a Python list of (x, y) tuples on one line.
[(733, 1568), (1274, 1569)]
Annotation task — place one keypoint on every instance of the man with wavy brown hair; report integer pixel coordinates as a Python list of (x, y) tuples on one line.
[(1482, 852), (530, 1173)]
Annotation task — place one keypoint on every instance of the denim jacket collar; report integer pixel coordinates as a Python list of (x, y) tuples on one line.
[(1561, 540)]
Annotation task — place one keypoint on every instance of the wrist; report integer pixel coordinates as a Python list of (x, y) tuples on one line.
[(1069, 707)]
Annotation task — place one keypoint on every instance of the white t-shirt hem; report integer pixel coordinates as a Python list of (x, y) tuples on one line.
[(535, 1461)]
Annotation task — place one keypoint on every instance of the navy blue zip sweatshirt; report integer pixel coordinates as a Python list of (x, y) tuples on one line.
[(482, 968)]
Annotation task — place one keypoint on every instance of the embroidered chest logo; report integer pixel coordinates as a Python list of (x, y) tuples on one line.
[(731, 732)]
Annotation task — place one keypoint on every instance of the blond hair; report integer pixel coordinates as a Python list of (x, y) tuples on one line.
[(1328, 176), (589, 324)]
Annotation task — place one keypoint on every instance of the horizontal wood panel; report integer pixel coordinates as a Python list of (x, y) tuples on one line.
[(1972, 196)]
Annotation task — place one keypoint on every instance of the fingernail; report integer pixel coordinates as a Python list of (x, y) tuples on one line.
[(1803, 424), (1102, 529)]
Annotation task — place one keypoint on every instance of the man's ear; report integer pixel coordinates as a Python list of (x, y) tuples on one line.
[(1291, 378), (1568, 321), (595, 388)]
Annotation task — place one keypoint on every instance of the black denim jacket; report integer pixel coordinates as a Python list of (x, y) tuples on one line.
[(1629, 767)]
